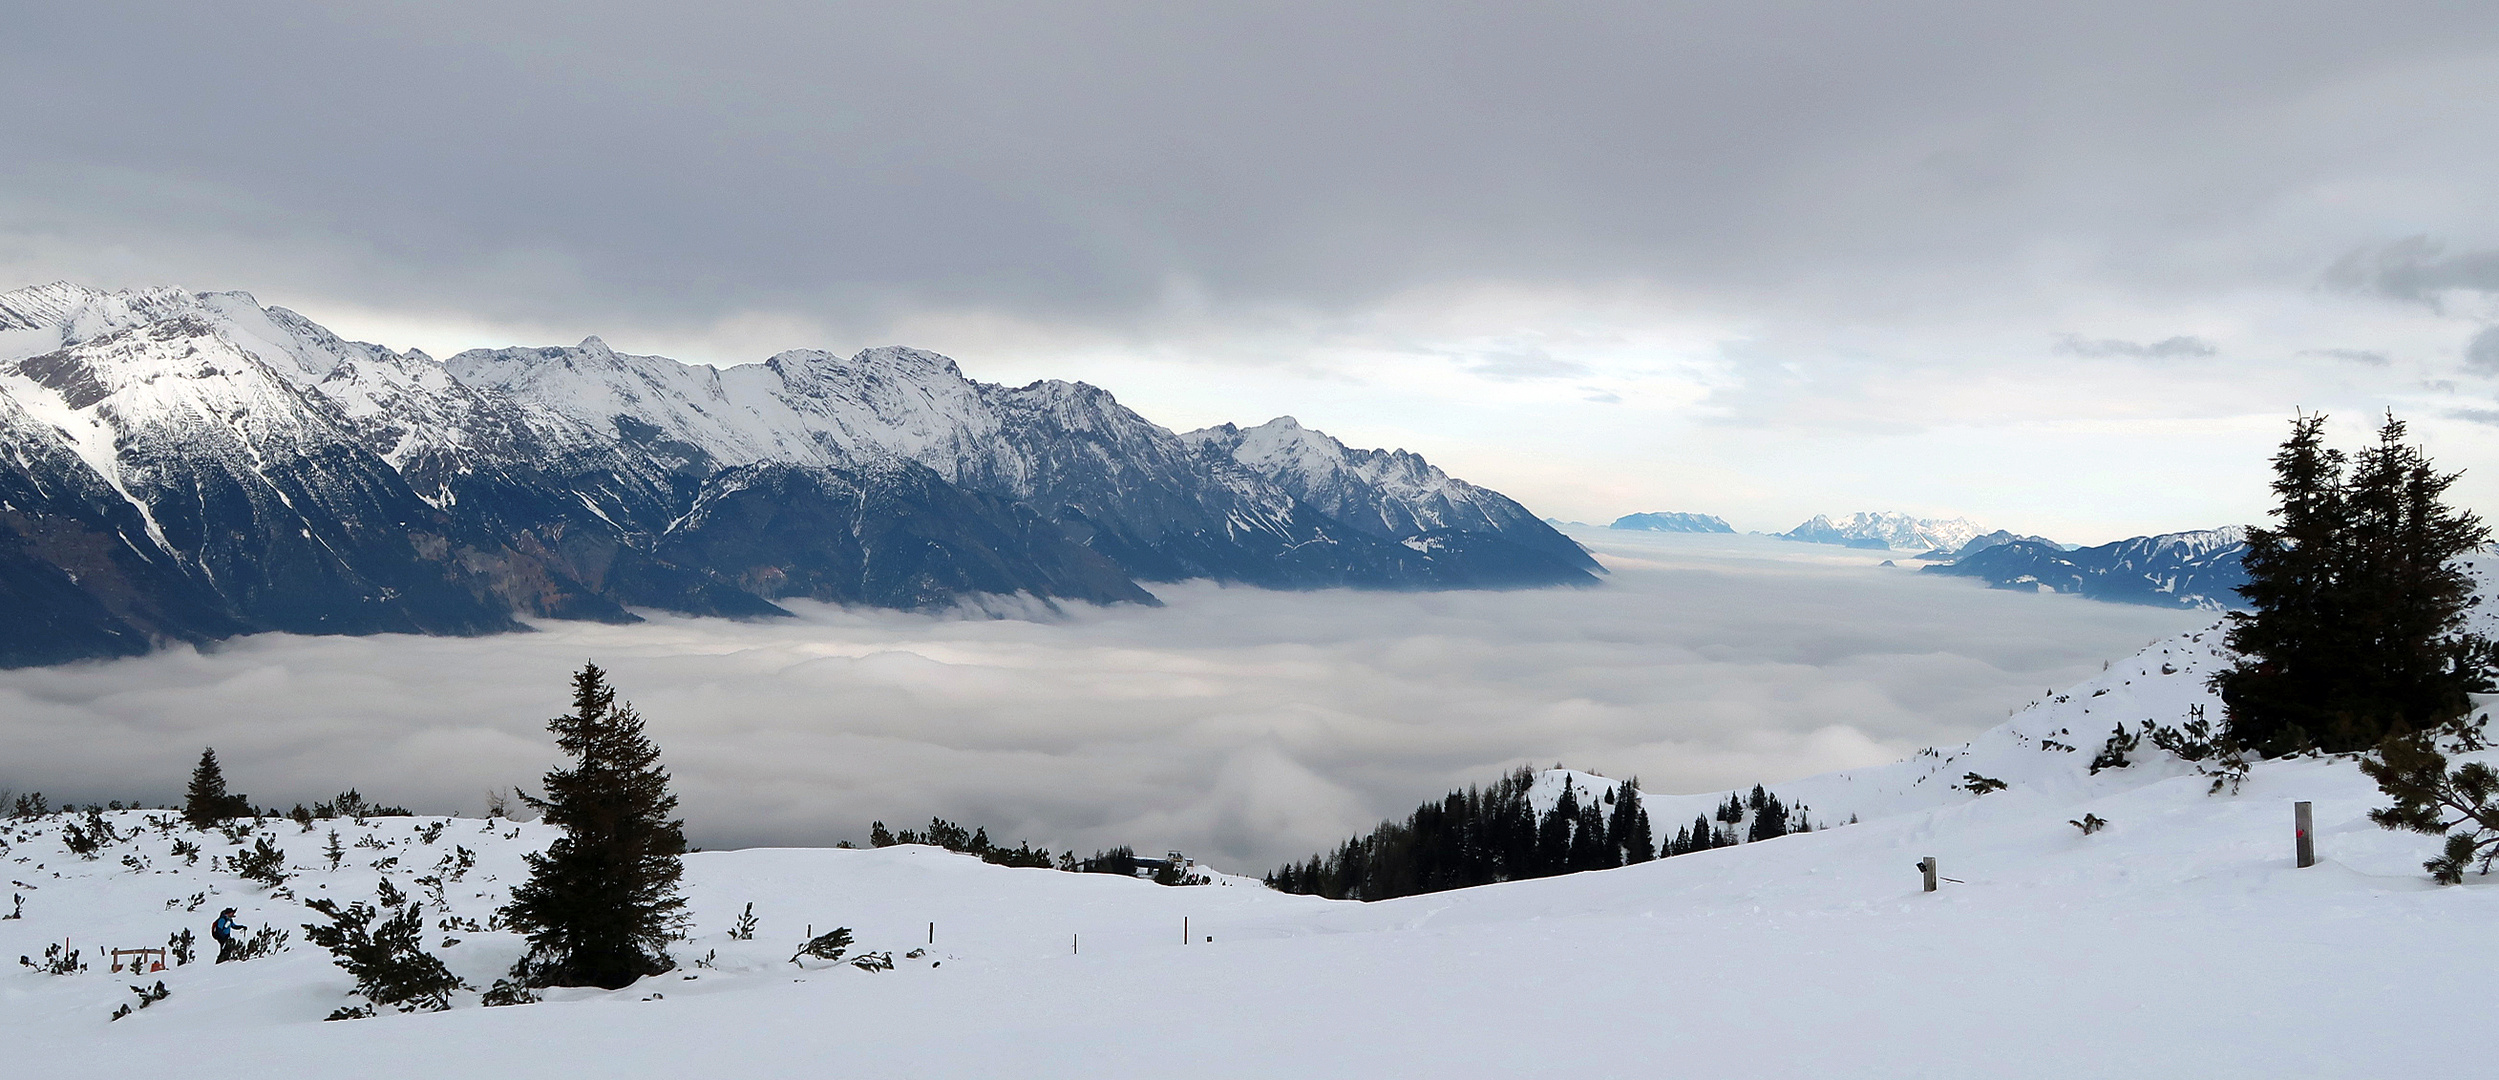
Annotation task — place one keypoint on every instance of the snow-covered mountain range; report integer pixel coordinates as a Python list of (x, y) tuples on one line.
[(1983, 541), (2198, 569), (186, 466), (1887, 530)]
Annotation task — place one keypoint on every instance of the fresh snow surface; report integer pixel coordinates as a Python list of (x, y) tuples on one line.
[(2179, 941)]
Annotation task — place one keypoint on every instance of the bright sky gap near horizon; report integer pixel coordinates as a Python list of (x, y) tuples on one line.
[(2059, 269)]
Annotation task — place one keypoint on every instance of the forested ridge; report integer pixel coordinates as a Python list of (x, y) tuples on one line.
[(1489, 834)]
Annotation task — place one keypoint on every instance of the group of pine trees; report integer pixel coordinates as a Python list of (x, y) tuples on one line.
[(1487, 834), (1739, 820), (974, 841), (2359, 599), (1122, 860), (2357, 641), (1484, 835)]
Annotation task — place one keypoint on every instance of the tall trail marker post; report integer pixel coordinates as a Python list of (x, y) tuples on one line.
[(1927, 866), (2304, 832)]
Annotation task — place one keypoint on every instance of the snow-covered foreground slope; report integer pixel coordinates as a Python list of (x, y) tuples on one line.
[(2179, 941)]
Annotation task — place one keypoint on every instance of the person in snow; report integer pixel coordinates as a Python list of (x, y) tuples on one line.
[(223, 931)]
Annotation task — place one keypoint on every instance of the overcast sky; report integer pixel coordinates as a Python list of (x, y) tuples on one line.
[(2061, 268)]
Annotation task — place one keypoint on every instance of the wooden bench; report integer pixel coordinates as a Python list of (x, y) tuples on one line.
[(137, 956)]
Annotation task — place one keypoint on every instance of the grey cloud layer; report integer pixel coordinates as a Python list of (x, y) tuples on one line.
[(1096, 160), (2417, 269), (1248, 725), (2168, 348)]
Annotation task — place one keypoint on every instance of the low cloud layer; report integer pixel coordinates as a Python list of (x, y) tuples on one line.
[(1243, 725)]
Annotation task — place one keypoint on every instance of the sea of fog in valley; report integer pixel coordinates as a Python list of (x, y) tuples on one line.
[(1242, 725)]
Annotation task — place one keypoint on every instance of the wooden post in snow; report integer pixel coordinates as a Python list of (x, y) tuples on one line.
[(1184, 929), (1927, 866), (2304, 830), (932, 933)]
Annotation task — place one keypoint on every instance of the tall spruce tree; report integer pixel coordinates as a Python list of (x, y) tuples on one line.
[(1769, 816), (206, 802), (601, 903), (1591, 848), (1553, 834), (2357, 632), (1629, 827)]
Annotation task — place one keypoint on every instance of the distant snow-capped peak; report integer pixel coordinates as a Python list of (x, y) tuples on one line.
[(1897, 531)]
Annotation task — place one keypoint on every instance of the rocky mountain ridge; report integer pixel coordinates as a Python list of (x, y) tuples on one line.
[(187, 466), (2197, 569)]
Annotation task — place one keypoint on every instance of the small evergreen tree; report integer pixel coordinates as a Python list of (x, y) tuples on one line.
[(207, 803), (601, 902), (264, 863), (2428, 798), (388, 959)]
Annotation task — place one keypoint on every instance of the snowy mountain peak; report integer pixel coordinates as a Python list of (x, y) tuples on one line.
[(1387, 493), (37, 306), (1888, 530), (271, 475), (73, 313)]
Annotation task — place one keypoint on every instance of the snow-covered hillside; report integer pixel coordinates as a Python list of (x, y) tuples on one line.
[(2199, 568), (2180, 940)]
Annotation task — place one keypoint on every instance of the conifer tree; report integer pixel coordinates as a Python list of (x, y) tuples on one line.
[(1629, 827), (1591, 848), (1769, 816), (1553, 834), (2428, 798), (206, 803), (2357, 631), (601, 903)]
